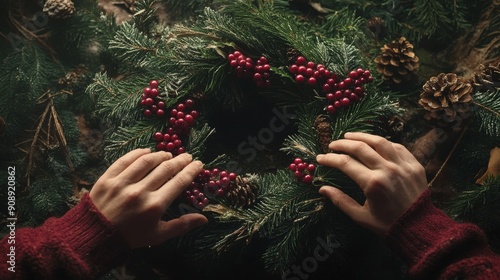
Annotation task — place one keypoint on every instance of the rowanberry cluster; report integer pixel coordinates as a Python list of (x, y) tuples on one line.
[(182, 117), (309, 73), (302, 170), (150, 101), (209, 183), (245, 68), (343, 93)]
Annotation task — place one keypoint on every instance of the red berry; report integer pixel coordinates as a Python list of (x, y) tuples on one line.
[(319, 66), (358, 83), (311, 81), (195, 114), (215, 171), (345, 102), (170, 146), (161, 146), (189, 103), (225, 181), (257, 76), (147, 113), (367, 73), (353, 75), (294, 69), (309, 72), (147, 91), (220, 192), (297, 174), (369, 79), (300, 79), (327, 74), (301, 166), (317, 75), (301, 60), (158, 136), (263, 60), (330, 109), (180, 115), (166, 137), (153, 84), (359, 90), (302, 70), (181, 150), (233, 63), (292, 167), (353, 97), (173, 113), (223, 174), (189, 119), (149, 101), (160, 113), (181, 107), (266, 67), (297, 160), (177, 142), (307, 179), (311, 167), (142, 102), (259, 69), (338, 95), (342, 85), (232, 176), (154, 108), (362, 80), (160, 104), (310, 64), (174, 137), (248, 65), (337, 104), (237, 53), (347, 93), (331, 82), (231, 57), (330, 96), (348, 81), (171, 120), (360, 71)]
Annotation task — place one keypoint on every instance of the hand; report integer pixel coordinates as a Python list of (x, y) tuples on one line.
[(135, 191), (387, 173)]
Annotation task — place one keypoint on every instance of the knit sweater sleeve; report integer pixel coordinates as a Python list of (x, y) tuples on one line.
[(436, 247), (82, 244)]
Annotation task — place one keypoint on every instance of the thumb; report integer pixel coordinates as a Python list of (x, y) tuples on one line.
[(344, 202), (179, 226)]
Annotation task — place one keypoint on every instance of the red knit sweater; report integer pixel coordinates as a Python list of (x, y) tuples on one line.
[(436, 247), (84, 244)]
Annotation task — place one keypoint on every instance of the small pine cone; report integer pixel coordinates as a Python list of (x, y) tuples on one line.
[(59, 9), (292, 55), (74, 77), (446, 95), (324, 131), (489, 79), (243, 194), (397, 62), (377, 27)]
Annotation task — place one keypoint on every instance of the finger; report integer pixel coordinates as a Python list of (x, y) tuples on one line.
[(381, 145), (174, 187), (350, 166), (359, 150), (165, 171), (344, 202), (125, 161), (178, 227), (143, 165)]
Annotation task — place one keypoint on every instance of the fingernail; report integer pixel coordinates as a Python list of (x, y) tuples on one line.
[(347, 134), (319, 157), (189, 156), (199, 163)]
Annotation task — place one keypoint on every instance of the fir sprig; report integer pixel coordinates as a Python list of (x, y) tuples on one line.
[(487, 113)]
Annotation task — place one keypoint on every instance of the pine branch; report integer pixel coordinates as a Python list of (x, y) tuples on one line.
[(488, 113), (125, 139)]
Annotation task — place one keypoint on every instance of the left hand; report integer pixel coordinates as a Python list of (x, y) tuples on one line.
[(135, 191)]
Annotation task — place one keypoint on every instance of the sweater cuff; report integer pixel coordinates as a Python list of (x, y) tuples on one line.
[(92, 237), (425, 235)]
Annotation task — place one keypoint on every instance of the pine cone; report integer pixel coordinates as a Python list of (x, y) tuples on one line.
[(324, 130), (59, 9), (445, 95), (243, 194), (397, 62), (292, 55), (74, 77), (489, 79), (377, 27)]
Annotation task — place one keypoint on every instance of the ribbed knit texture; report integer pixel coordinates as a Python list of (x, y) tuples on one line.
[(80, 245), (436, 247)]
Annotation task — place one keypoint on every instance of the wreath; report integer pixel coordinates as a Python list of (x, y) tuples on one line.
[(314, 87)]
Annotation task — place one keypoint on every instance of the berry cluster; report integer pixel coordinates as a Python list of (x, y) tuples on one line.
[(182, 117), (209, 183), (149, 99), (245, 68), (309, 73), (302, 170), (343, 93)]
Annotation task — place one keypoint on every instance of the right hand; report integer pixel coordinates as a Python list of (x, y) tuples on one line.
[(387, 173)]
